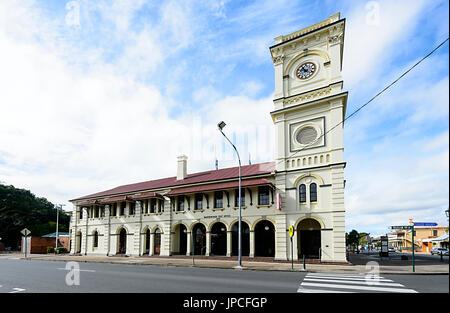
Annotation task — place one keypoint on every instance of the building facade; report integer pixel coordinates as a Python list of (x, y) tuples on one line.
[(304, 187)]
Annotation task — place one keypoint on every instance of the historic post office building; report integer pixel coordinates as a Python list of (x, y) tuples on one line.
[(304, 186)]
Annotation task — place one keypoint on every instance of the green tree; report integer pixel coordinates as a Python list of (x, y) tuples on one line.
[(353, 238), (19, 208)]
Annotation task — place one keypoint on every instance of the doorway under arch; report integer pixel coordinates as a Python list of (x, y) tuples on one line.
[(309, 239), (265, 239), (78, 238), (122, 248), (219, 239), (180, 240), (245, 235), (147, 242), (157, 242), (199, 232)]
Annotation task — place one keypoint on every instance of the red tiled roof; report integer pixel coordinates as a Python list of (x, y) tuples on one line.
[(148, 195), (89, 202), (201, 177), (230, 185), (115, 199)]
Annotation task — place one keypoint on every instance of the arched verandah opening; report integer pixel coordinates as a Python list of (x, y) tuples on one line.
[(199, 233), (180, 240), (78, 239), (245, 235), (157, 242), (265, 239), (309, 239), (122, 244), (147, 242), (218, 239)]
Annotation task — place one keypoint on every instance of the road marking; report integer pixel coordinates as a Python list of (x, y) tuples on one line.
[(75, 269), (368, 282), (360, 287), (16, 290), (341, 275), (362, 278), (329, 283), (306, 290)]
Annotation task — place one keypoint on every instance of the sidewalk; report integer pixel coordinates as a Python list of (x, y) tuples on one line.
[(230, 264)]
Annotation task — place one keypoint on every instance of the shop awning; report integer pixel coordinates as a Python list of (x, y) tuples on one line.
[(441, 238), (223, 186)]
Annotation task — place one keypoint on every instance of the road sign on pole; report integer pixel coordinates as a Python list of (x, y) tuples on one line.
[(411, 227), (25, 232), (291, 234), (401, 227), (425, 224)]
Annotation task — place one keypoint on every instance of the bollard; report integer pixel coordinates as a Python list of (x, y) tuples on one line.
[(304, 265)]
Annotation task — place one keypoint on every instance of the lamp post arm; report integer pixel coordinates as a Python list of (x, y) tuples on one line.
[(234, 147)]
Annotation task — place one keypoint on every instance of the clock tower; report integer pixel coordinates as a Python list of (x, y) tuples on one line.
[(309, 108)]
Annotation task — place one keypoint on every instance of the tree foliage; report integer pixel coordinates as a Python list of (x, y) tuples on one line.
[(19, 208), (353, 238)]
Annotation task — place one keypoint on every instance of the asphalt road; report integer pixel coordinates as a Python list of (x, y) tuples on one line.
[(394, 259), (49, 277)]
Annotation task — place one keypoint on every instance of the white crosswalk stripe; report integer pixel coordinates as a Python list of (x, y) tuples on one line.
[(338, 283)]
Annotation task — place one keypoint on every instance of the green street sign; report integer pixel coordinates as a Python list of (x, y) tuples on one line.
[(401, 227)]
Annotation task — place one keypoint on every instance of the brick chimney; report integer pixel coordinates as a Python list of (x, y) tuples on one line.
[(182, 167)]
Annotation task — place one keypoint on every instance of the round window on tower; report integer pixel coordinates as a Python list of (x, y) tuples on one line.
[(306, 135)]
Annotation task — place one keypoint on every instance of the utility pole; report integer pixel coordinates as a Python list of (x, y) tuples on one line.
[(57, 221)]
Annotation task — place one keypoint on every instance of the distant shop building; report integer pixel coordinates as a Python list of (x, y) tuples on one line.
[(424, 238)]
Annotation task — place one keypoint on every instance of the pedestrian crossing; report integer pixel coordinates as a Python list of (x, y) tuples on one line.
[(344, 283)]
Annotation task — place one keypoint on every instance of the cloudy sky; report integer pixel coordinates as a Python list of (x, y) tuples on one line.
[(95, 94)]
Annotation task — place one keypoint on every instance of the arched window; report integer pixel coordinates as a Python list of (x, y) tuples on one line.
[(313, 192), (96, 239), (302, 193)]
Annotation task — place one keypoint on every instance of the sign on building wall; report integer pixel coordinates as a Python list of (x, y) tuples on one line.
[(279, 201)]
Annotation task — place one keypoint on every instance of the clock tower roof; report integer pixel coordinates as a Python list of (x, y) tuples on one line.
[(280, 40)]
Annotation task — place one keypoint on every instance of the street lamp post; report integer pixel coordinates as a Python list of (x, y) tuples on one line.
[(221, 125)]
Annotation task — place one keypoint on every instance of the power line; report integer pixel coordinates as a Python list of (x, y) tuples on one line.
[(373, 98)]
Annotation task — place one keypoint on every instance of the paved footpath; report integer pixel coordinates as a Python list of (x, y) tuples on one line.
[(360, 268)]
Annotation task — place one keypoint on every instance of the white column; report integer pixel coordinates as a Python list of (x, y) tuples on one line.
[(208, 243), (189, 243), (252, 244), (295, 245), (106, 240), (152, 240), (229, 239), (281, 238)]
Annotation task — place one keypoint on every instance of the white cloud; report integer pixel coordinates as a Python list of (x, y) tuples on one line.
[(372, 45), (66, 132)]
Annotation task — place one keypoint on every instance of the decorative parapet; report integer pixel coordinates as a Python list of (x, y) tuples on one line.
[(333, 18)]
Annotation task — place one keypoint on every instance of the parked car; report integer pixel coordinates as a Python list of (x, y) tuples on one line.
[(438, 251), (391, 249)]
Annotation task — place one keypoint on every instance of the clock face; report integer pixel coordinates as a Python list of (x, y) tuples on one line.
[(306, 70)]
